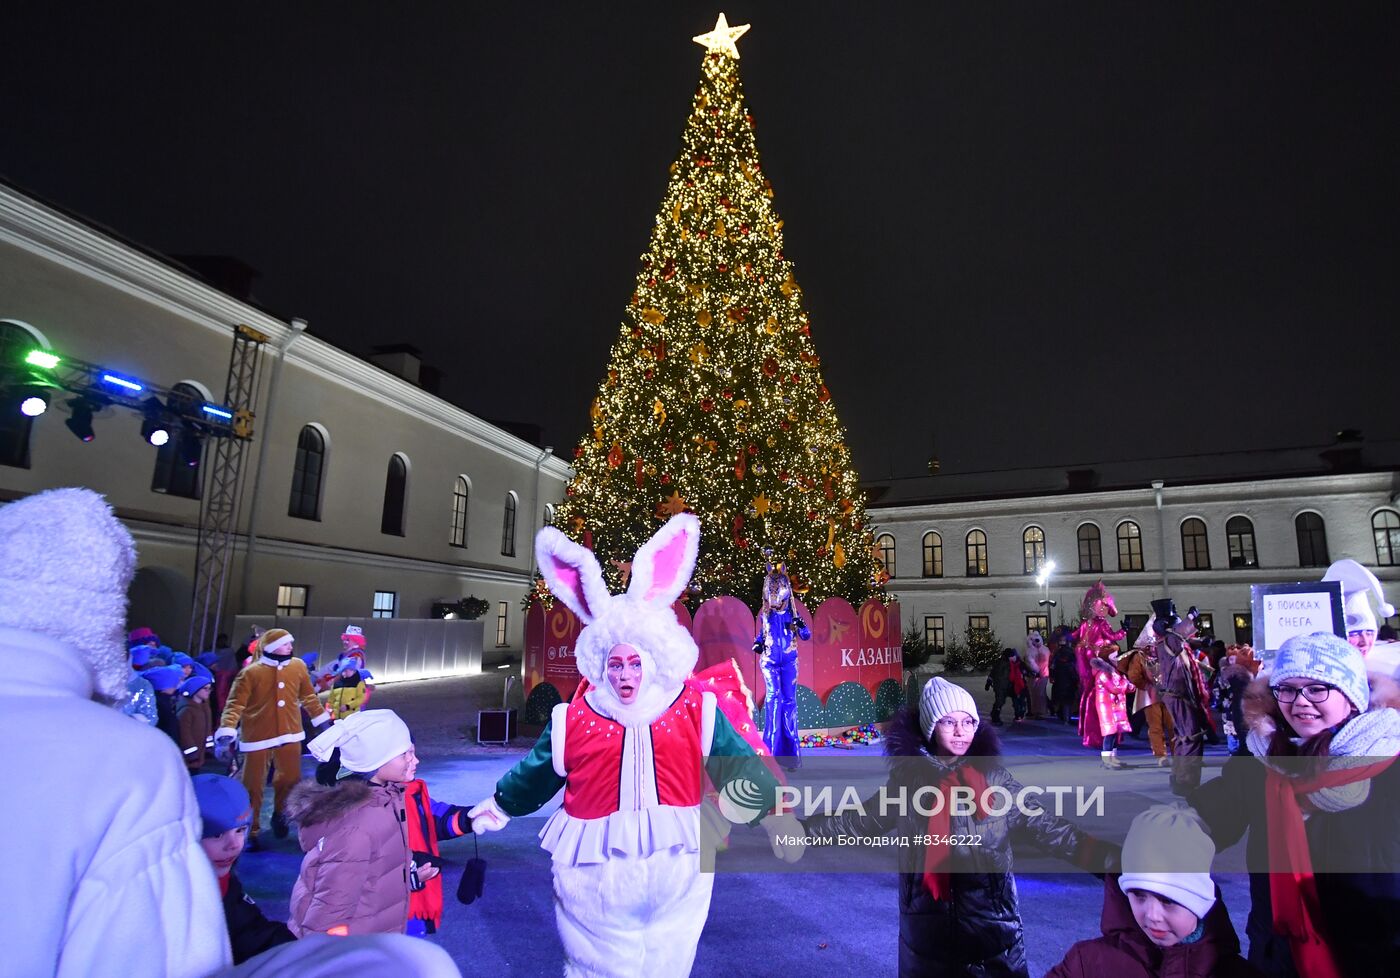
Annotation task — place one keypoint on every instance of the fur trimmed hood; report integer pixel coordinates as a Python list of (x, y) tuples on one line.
[(904, 738), (313, 804)]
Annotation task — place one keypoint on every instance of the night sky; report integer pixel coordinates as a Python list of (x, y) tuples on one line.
[(1028, 233)]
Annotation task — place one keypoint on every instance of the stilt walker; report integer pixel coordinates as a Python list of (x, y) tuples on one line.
[(778, 625)]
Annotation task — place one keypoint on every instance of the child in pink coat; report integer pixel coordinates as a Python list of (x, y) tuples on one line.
[(1111, 689)]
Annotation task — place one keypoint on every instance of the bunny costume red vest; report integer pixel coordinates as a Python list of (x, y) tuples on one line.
[(661, 765)]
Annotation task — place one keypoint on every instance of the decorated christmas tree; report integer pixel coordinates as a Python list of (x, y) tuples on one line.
[(713, 401)]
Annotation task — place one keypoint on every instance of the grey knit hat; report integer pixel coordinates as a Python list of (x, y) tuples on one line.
[(1324, 658)]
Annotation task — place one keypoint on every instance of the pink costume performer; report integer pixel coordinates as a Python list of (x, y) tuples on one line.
[(1094, 638)]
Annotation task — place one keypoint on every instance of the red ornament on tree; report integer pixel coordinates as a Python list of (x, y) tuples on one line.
[(707, 405), (665, 479), (770, 367)]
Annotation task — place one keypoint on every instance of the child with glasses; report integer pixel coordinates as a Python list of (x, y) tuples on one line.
[(1319, 797)]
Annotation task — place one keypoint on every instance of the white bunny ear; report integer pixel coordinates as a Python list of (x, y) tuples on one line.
[(572, 574), (662, 568)]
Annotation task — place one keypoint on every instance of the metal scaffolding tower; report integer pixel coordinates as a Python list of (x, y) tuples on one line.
[(223, 491)]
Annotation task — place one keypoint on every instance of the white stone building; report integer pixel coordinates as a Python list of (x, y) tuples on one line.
[(967, 551), (364, 495)]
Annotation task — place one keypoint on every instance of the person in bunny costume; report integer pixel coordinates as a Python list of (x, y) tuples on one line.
[(631, 755)]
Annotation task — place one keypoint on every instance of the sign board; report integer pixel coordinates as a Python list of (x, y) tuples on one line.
[(1282, 611)]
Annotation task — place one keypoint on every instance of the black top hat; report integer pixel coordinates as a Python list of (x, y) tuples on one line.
[(1166, 617)]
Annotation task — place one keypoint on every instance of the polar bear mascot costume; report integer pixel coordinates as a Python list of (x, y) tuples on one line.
[(630, 753)]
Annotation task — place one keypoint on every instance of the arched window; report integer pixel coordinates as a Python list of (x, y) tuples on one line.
[(976, 553), (1386, 527), (16, 340), (508, 526), (884, 544), (461, 492), (1090, 549), (395, 496), (1129, 546), (307, 474), (548, 514), (933, 554), (1312, 540), (1033, 550), (1195, 545), (177, 470), (1239, 536)]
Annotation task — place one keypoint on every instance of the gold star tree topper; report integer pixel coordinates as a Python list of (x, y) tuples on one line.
[(721, 39)]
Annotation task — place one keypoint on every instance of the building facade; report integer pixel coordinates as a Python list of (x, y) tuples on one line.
[(975, 564), (363, 495)]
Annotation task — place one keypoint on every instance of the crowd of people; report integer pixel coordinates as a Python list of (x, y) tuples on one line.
[(140, 876)]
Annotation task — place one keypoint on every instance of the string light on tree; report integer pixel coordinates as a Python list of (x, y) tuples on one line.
[(713, 399)]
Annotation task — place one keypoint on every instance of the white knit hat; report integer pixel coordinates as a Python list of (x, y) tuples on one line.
[(940, 698), (65, 563), (1356, 580), (367, 740), (1167, 852)]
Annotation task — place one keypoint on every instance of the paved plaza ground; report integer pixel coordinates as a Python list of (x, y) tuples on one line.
[(807, 923)]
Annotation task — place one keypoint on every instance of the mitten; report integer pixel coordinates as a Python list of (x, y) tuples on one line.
[(488, 817)]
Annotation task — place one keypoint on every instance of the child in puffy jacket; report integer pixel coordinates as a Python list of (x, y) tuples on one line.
[(354, 876), (1163, 915)]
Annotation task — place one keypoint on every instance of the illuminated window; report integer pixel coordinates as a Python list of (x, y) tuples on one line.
[(1129, 546), (933, 555), (976, 554), (885, 544), (1033, 550), (933, 633)]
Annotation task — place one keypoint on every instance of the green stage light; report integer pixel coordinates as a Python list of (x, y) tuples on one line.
[(43, 359)]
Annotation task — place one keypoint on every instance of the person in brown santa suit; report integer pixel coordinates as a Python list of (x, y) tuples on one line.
[(1144, 671), (264, 712)]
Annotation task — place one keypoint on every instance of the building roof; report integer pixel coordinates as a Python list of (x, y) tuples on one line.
[(1349, 454)]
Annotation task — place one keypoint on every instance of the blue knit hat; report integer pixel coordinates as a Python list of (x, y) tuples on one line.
[(193, 685), (207, 659), (180, 659), (163, 677), (223, 803), (201, 670), (140, 654), (1324, 658)]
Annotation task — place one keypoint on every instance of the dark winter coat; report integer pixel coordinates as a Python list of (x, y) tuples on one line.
[(999, 675), (1124, 951), (1230, 684), (249, 932), (355, 871), (1359, 910), (977, 930), (1064, 673), (167, 720)]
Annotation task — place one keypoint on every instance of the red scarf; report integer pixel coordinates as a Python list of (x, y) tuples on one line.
[(1292, 887), (964, 775), (425, 904)]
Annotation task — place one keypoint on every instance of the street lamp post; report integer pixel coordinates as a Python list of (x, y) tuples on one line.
[(1046, 602)]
